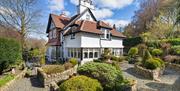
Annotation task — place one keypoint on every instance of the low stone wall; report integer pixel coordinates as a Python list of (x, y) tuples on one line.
[(19, 76), (173, 66), (46, 79), (150, 74)]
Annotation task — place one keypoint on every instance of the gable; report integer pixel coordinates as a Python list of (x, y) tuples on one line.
[(87, 16)]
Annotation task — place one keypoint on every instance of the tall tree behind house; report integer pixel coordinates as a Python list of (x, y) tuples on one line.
[(22, 15)]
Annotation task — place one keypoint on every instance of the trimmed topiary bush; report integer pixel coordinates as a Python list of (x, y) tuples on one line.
[(74, 61), (133, 51), (108, 75), (81, 83), (157, 52), (152, 64)]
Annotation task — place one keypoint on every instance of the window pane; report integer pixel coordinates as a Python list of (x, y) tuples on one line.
[(96, 55), (85, 54), (90, 54), (75, 54), (72, 53), (69, 52)]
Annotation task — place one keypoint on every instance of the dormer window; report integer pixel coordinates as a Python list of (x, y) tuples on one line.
[(106, 34)]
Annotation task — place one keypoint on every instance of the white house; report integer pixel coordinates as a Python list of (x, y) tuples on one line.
[(81, 36)]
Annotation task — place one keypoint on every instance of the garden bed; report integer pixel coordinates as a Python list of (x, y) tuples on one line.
[(150, 74), (47, 78)]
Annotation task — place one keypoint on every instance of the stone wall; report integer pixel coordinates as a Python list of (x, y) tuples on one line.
[(46, 79), (19, 76), (173, 66), (150, 74)]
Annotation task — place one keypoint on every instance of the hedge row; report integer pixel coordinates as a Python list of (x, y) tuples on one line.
[(10, 52)]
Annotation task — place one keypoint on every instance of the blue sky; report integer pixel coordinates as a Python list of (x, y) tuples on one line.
[(119, 12)]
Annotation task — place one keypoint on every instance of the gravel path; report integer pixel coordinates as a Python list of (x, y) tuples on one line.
[(27, 84), (170, 81)]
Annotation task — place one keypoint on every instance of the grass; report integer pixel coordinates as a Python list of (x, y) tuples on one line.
[(5, 79)]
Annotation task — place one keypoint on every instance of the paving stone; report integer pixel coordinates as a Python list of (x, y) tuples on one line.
[(170, 80)]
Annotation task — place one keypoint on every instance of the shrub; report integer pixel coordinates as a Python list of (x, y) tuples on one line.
[(5, 79), (116, 65), (171, 58), (81, 83), (106, 54), (51, 69), (108, 75), (97, 60), (176, 50), (10, 52), (141, 49), (152, 64), (133, 51), (68, 65), (146, 56), (175, 41), (74, 61), (157, 52), (114, 58)]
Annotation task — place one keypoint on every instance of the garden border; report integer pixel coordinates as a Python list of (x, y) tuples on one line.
[(46, 79), (150, 74)]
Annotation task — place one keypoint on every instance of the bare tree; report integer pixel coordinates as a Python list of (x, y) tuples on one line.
[(21, 15)]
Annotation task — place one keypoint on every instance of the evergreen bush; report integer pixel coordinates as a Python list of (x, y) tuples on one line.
[(157, 52), (108, 75), (133, 51), (10, 50), (74, 61), (81, 83)]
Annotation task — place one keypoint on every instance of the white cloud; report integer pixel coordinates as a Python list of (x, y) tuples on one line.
[(75, 2), (111, 4), (103, 13), (56, 5), (118, 23)]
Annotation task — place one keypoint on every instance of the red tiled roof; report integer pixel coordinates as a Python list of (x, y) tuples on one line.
[(60, 21), (83, 26)]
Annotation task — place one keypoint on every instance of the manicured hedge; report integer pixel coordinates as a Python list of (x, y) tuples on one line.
[(81, 83), (109, 76), (10, 52), (132, 41)]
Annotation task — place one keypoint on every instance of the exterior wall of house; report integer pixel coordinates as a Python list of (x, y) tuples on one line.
[(51, 53), (92, 40), (89, 43)]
